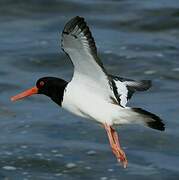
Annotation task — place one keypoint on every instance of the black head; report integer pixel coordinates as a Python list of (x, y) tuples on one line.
[(52, 87), (49, 86)]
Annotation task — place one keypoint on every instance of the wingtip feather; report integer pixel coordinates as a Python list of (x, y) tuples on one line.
[(70, 25)]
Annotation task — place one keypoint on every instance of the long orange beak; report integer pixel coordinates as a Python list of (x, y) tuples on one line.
[(24, 94)]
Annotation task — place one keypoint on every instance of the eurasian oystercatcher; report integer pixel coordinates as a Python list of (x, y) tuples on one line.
[(92, 92)]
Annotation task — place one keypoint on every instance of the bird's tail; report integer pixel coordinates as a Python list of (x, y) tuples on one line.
[(141, 116), (151, 120)]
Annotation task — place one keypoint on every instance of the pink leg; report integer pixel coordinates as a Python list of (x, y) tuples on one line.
[(115, 145)]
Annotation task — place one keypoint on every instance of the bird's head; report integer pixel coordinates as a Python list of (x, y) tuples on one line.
[(49, 86)]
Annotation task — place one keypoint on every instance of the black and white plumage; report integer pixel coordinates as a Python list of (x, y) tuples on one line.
[(92, 92), (126, 87), (109, 94)]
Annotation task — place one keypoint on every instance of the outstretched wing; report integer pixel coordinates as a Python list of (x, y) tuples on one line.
[(124, 88), (78, 43)]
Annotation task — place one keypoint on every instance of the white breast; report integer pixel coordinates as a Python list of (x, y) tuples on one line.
[(84, 102)]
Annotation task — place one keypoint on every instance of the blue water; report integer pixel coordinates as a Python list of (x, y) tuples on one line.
[(135, 39)]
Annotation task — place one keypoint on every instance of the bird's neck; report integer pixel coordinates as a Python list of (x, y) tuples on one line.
[(57, 92)]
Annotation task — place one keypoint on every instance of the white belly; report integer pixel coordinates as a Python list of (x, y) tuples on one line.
[(87, 104)]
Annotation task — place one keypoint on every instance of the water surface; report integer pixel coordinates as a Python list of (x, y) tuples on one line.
[(135, 39)]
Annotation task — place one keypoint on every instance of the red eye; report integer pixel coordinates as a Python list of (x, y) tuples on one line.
[(41, 83)]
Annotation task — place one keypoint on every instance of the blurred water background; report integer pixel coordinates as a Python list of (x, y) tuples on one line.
[(135, 39)]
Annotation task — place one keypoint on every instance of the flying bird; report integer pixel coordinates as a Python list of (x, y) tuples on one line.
[(93, 93)]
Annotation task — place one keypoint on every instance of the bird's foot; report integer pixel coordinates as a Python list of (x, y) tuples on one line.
[(120, 155)]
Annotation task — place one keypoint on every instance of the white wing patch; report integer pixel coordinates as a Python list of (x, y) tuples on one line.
[(122, 92), (126, 88), (78, 43)]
